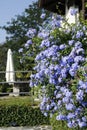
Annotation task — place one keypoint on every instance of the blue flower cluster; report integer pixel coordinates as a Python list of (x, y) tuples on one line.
[(74, 11), (58, 66), (31, 33)]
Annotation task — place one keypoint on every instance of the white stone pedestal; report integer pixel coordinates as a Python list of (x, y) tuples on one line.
[(16, 91)]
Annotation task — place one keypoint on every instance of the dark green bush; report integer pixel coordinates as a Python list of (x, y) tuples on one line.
[(21, 115), (5, 87)]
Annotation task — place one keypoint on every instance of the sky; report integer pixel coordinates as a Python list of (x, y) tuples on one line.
[(8, 10)]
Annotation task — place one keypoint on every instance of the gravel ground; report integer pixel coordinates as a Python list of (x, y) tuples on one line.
[(27, 128)]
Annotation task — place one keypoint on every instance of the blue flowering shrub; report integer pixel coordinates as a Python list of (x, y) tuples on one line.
[(61, 71)]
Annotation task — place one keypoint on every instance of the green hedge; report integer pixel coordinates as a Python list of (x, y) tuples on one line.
[(16, 115)]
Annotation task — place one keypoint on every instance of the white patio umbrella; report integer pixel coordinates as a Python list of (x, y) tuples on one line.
[(10, 74)]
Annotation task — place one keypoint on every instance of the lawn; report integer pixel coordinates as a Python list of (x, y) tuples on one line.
[(20, 100)]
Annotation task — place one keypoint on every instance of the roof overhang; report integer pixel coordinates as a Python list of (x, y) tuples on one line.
[(57, 6)]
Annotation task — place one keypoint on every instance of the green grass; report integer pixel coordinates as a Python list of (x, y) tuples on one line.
[(20, 100)]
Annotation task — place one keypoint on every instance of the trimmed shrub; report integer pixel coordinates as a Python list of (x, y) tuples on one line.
[(20, 115)]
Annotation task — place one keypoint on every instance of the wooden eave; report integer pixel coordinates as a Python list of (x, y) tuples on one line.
[(57, 6), (53, 5)]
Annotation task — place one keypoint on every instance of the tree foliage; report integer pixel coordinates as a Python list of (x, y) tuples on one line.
[(17, 28)]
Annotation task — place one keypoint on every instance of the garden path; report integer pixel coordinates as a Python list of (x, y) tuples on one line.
[(27, 128)]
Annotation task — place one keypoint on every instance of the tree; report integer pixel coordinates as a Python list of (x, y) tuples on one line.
[(18, 27), (16, 39), (3, 51)]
